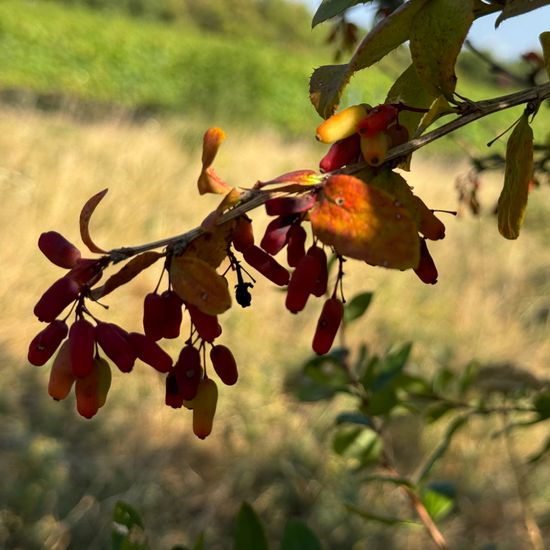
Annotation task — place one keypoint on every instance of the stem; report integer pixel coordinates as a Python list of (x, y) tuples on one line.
[(253, 198)]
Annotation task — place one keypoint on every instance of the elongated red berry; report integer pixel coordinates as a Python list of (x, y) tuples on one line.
[(224, 364), (377, 120), (45, 343), (87, 271), (173, 314), (266, 265), (286, 206), (321, 281), (61, 374), (430, 225), (204, 408), (327, 326), (81, 344), (115, 343), (91, 390), (341, 153), (296, 248), (243, 235), (188, 371), (276, 234), (398, 134), (426, 270), (302, 283), (173, 398), (207, 326), (58, 249), (153, 316), (62, 293), (150, 352)]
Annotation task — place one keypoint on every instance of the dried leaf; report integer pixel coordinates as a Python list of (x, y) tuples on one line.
[(437, 34), (197, 283), (328, 82), (212, 247), (133, 268), (517, 7), (545, 43), (517, 175), (85, 215), (364, 223)]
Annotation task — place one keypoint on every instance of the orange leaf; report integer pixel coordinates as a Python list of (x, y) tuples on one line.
[(210, 182), (197, 283), (213, 138), (85, 215), (133, 268), (212, 247), (364, 223), (211, 220)]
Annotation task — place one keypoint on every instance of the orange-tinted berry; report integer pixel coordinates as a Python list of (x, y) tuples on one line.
[(116, 345), (321, 281), (188, 371), (397, 134), (341, 153), (377, 120), (429, 225), (62, 293), (327, 326), (58, 249), (224, 364), (61, 374), (81, 345), (150, 352), (207, 325), (266, 265), (243, 234), (426, 270), (87, 271), (341, 125), (286, 206), (91, 391), (276, 234), (302, 283), (45, 343), (296, 248), (374, 148), (204, 408)]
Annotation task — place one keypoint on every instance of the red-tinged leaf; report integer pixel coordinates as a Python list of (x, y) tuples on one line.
[(436, 36), (297, 177), (85, 215), (213, 138), (196, 282), (212, 247), (212, 219), (210, 182), (133, 268), (517, 175), (328, 82), (365, 223)]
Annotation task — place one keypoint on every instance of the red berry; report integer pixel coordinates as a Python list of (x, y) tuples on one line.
[(150, 352), (302, 282), (61, 373), (87, 271), (266, 265), (224, 364), (188, 372), (207, 325), (63, 292), (173, 398), (91, 390), (116, 345), (327, 326), (243, 235), (81, 346), (153, 316), (58, 249), (321, 281), (377, 120), (276, 234), (398, 134), (341, 153), (173, 315), (45, 343), (296, 244), (426, 270), (285, 206)]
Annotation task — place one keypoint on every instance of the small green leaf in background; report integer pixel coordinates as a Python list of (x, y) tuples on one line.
[(331, 8), (128, 529), (249, 531), (362, 446), (545, 43), (542, 405), (436, 37), (298, 536), (438, 498), (355, 418), (199, 543), (357, 306), (517, 7), (517, 175)]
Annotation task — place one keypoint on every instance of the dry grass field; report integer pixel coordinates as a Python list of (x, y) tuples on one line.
[(62, 474)]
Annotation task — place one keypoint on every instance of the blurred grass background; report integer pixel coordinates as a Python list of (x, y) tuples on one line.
[(119, 96)]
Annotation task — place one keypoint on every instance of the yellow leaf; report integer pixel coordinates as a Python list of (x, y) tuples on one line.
[(517, 175), (197, 283), (212, 247), (365, 223)]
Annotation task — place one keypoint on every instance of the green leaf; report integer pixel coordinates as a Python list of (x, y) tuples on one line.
[(438, 108), (517, 174), (370, 516), (357, 306), (437, 504), (128, 529), (545, 43), (382, 402), (437, 34), (199, 543), (328, 82), (391, 366), (331, 8), (362, 446), (354, 418), (512, 8), (249, 531), (542, 405), (298, 536), (437, 411)]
